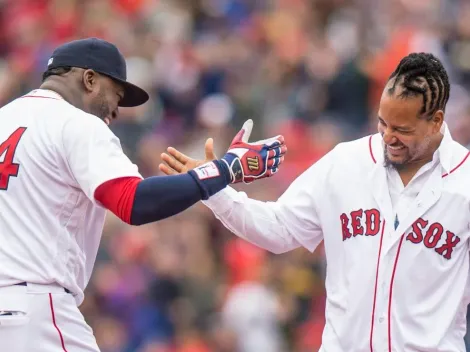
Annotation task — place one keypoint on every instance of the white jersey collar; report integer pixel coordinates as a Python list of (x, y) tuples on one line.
[(45, 93), (445, 149)]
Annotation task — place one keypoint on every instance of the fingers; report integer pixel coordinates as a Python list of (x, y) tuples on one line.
[(247, 127), (270, 142), (277, 151), (166, 170), (273, 171), (277, 140), (182, 158), (275, 162), (209, 149), (173, 163), (244, 134), (238, 136)]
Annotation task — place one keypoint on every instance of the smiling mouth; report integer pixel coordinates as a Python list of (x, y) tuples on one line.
[(399, 147), (395, 150)]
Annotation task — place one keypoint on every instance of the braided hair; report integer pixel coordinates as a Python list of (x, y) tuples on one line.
[(422, 74)]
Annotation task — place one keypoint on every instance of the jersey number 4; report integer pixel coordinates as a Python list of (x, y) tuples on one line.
[(7, 166)]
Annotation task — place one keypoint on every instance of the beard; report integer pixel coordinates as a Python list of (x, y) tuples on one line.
[(410, 156), (100, 107), (397, 165)]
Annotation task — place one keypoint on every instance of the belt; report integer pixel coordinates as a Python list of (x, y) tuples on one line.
[(26, 284)]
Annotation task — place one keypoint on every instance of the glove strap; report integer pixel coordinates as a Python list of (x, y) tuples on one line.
[(234, 166)]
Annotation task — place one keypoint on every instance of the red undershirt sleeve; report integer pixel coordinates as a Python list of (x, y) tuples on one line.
[(118, 195), (138, 201)]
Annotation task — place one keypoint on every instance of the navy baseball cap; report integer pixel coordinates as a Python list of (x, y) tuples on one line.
[(100, 56)]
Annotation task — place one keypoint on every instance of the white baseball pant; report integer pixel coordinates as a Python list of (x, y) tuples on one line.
[(45, 319)]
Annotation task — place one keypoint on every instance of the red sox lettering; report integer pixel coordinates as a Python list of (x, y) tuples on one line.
[(431, 234), (372, 223)]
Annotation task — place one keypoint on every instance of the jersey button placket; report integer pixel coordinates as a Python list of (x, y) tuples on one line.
[(382, 307)]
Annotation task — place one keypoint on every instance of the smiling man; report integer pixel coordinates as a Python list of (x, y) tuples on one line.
[(393, 210), (411, 113), (61, 168)]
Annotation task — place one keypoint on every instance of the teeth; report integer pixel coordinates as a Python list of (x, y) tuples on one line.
[(395, 148)]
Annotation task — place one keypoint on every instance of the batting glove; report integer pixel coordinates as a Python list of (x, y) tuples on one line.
[(248, 162)]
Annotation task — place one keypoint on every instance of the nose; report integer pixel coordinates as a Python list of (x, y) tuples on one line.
[(388, 136)]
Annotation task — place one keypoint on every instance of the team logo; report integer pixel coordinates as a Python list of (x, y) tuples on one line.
[(253, 163), (432, 234), (206, 171)]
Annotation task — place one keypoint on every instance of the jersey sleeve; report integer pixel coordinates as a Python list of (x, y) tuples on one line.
[(94, 154), (290, 222)]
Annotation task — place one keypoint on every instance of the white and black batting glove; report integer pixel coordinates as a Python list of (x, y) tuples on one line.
[(248, 162)]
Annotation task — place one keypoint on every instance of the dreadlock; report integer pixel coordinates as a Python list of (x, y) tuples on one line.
[(422, 74)]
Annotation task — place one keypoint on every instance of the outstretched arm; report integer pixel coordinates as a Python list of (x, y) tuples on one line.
[(291, 222), (100, 168), (261, 223)]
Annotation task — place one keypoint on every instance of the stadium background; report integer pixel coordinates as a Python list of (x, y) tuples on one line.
[(312, 70)]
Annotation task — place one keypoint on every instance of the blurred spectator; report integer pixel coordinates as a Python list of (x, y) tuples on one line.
[(253, 310)]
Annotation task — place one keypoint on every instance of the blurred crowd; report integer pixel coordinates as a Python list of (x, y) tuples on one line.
[(312, 70)]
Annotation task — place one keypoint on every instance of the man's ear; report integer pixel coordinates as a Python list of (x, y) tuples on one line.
[(438, 120), (89, 80)]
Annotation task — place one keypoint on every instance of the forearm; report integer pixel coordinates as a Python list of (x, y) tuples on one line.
[(159, 197), (139, 202), (255, 221)]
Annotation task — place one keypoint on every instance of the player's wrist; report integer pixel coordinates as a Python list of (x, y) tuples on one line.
[(234, 167), (211, 177)]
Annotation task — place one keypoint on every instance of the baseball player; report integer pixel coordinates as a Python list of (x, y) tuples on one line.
[(393, 210), (61, 168)]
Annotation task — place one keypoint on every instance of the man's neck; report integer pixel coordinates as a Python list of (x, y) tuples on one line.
[(64, 91), (407, 173)]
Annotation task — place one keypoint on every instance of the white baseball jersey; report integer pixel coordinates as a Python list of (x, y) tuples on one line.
[(52, 158), (388, 289)]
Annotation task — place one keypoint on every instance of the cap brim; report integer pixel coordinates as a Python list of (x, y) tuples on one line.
[(133, 95)]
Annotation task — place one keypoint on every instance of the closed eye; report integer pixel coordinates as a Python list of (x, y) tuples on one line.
[(404, 131), (397, 129)]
